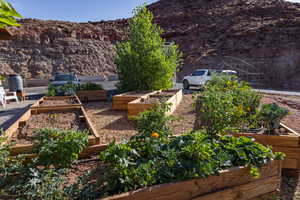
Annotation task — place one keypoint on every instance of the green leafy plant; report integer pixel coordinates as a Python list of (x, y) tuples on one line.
[(8, 15), (228, 105), (89, 86), (67, 90), (23, 180), (144, 62), (51, 90), (271, 115), (154, 121), (2, 77), (150, 161), (59, 148)]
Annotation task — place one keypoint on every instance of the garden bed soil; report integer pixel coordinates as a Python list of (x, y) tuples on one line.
[(57, 101), (68, 120), (110, 124)]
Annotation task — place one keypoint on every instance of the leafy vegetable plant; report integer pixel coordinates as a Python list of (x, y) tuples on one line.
[(271, 115), (228, 105), (146, 160), (154, 121), (59, 148), (89, 86)]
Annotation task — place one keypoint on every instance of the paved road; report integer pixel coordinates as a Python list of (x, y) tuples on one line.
[(110, 85)]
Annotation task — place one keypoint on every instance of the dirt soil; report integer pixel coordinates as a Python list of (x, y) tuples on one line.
[(58, 102), (59, 120), (110, 124), (155, 99)]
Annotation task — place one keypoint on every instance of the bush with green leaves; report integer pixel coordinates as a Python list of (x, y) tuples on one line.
[(228, 105), (62, 90), (89, 86), (144, 62), (271, 115), (146, 161), (154, 121), (23, 180), (58, 147)]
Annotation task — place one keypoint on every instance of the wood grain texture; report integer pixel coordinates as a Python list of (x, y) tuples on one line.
[(92, 95)]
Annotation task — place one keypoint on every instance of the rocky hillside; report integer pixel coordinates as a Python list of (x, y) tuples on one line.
[(258, 38), (41, 48)]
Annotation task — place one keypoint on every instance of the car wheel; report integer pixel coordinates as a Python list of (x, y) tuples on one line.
[(186, 84)]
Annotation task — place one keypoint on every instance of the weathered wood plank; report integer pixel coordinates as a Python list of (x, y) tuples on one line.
[(245, 191), (283, 140), (92, 95)]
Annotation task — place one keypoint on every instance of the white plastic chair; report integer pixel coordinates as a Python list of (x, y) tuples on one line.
[(4, 97)]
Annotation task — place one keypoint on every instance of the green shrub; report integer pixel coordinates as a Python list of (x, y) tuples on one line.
[(27, 180), (51, 90), (89, 86), (154, 121), (228, 105), (63, 90), (271, 115), (144, 62), (59, 148), (151, 161)]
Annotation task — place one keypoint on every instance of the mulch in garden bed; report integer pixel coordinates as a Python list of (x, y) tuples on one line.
[(58, 102), (61, 120), (110, 124)]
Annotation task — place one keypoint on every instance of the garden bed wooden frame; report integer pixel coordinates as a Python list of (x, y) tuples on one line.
[(135, 107), (288, 144), (94, 138), (120, 101), (234, 183), (92, 95), (37, 104)]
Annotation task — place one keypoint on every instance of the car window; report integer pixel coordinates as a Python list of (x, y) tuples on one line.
[(198, 73), (63, 77)]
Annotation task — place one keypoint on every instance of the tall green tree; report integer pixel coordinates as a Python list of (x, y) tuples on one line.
[(145, 62), (8, 15)]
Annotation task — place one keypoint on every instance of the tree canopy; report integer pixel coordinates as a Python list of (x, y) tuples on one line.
[(145, 61)]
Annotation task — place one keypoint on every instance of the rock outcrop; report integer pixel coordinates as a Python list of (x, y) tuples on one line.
[(41, 48), (258, 38)]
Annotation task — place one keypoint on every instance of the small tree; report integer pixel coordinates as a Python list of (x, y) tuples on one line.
[(8, 15), (144, 62)]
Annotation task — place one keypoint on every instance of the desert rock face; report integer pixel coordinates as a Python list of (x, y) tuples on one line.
[(41, 48), (258, 38)]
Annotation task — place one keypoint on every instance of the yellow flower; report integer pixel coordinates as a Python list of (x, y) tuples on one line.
[(155, 135)]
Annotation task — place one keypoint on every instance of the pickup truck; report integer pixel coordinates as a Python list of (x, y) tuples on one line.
[(199, 77)]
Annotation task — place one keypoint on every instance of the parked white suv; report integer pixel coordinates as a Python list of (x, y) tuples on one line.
[(199, 77)]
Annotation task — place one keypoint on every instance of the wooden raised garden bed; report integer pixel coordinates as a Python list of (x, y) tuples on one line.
[(92, 95), (66, 118), (289, 143), (235, 183), (57, 101), (173, 97), (120, 102)]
